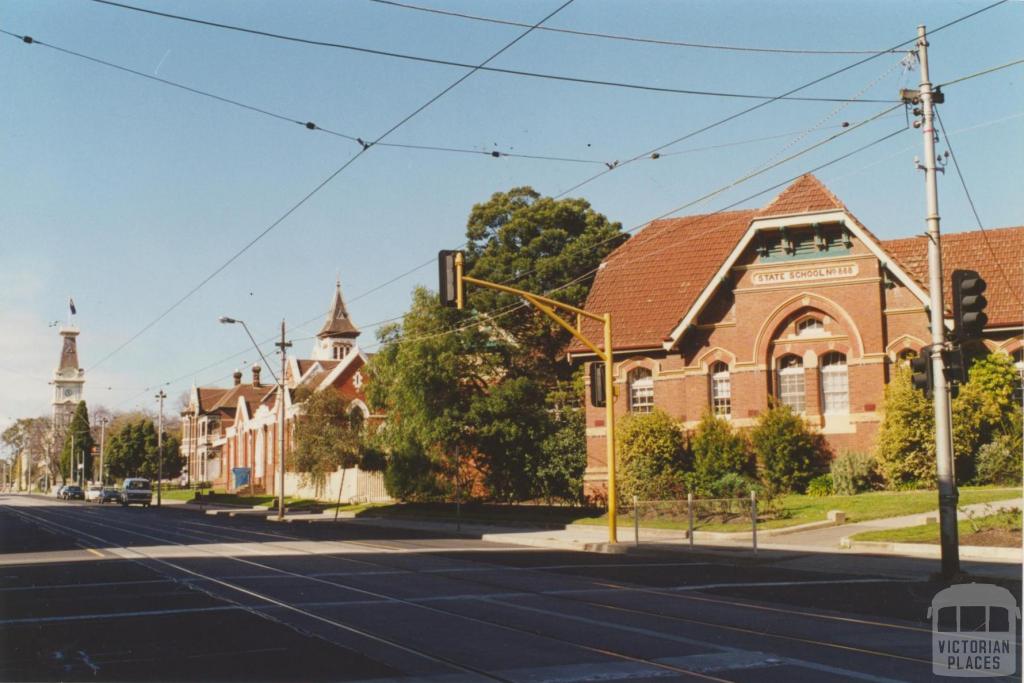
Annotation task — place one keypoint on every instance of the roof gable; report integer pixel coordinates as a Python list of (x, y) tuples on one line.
[(806, 195)]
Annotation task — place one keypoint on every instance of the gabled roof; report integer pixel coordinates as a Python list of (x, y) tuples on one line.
[(651, 280), (208, 397), (806, 195), (338, 323), (250, 394), (1002, 267), (656, 282)]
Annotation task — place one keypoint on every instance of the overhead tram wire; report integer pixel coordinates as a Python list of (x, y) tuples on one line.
[(786, 94), (631, 39), (464, 65), (326, 181), (974, 210)]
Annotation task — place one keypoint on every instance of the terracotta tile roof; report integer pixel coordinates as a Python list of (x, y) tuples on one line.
[(806, 195), (1004, 272), (651, 281), (208, 397), (305, 365), (252, 396)]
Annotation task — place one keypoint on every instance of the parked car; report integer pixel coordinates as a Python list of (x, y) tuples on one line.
[(73, 493), (110, 495), (60, 491), (135, 491), (92, 494)]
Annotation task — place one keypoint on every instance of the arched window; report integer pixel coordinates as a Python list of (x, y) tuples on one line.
[(791, 383), (721, 390), (904, 357), (641, 390), (810, 327), (835, 384)]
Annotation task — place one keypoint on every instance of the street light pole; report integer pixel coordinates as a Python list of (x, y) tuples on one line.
[(160, 449), (283, 345), (103, 428)]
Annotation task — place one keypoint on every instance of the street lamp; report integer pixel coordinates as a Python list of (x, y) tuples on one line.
[(103, 427), (280, 399)]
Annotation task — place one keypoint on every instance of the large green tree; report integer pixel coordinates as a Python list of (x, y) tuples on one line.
[(79, 437), (132, 452), (327, 436), (538, 244)]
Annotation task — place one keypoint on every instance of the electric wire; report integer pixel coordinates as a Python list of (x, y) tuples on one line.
[(748, 110), (321, 185), (974, 210), (632, 39), (465, 65), (984, 72)]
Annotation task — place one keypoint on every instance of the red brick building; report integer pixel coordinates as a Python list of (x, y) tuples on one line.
[(796, 301)]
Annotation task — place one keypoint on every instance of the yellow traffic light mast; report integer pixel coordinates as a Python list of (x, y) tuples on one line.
[(452, 277)]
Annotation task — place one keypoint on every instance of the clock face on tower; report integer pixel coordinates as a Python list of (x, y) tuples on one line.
[(67, 393)]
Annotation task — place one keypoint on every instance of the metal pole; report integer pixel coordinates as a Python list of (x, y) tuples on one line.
[(281, 397), (73, 462), (458, 490), (636, 520), (943, 439), (753, 517), (103, 430), (609, 416), (689, 513), (160, 450)]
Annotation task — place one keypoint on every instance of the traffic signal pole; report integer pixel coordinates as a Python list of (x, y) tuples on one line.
[(943, 433), (550, 308)]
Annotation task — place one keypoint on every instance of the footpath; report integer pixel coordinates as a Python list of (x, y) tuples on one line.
[(826, 548)]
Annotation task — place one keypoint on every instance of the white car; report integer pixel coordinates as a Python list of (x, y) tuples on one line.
[(92, 494)]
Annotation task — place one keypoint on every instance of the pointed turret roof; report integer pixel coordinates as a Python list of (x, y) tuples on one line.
[(338, 323), (69, 351)]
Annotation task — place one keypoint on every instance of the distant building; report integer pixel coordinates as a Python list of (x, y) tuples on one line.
[(68, 382), (225, 428), (796, 303)]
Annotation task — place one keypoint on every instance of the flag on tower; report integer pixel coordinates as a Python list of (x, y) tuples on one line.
[(71, 305)]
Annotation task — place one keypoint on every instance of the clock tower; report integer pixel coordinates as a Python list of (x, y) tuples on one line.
[(68, 380)]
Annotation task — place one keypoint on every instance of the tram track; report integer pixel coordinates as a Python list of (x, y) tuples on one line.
[(230, 535)]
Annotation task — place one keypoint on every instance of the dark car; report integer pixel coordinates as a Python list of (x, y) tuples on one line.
[(74, 493), (109, 495)]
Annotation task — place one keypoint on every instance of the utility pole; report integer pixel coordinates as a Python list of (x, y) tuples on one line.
[(160, 448), (103, 429), (283, 345), (74, 463), (943, 432)]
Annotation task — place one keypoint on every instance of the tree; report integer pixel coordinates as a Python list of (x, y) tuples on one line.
[(31, 435), (425, 378), (906, 439), (652, 455), (718, 450), (538, 244), (327, 436), (788, 454), (983, 410), (78, 436), (559, 473), (132, 451)]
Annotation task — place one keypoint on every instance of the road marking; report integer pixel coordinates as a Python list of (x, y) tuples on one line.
[(775, 584), (95, 552), (117, 615)]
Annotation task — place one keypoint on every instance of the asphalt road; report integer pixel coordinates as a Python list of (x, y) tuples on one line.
[(98, 593)]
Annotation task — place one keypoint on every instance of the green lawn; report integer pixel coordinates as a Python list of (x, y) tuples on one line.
[(929, 533)]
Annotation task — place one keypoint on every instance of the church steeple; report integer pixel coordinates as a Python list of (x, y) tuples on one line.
[(337, 337)]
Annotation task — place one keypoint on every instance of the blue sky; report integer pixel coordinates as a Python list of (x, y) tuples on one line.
[(126, 193)]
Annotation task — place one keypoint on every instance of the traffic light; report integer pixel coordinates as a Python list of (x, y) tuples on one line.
[(448, 280), (969, 317), (597, 395), (921, 372)]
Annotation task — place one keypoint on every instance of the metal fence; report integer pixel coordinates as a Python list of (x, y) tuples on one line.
[(692, 520)]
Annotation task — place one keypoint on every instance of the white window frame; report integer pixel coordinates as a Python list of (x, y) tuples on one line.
[(811, 326), (721, 390), (792, 384), (641, 390), (835, 384)]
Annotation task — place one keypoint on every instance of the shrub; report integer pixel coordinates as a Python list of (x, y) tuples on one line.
[(906, 440), (820, 486), (732, 485), (718, 451), (652, 454), (788, 454), (999, 461), (854, 472)]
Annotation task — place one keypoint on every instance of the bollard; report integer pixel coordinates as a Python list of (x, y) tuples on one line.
[(753, 517), (689, 513), (636, 521)]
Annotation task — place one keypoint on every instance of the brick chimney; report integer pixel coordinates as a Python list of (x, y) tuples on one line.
[(256, 375), (238, 377)]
